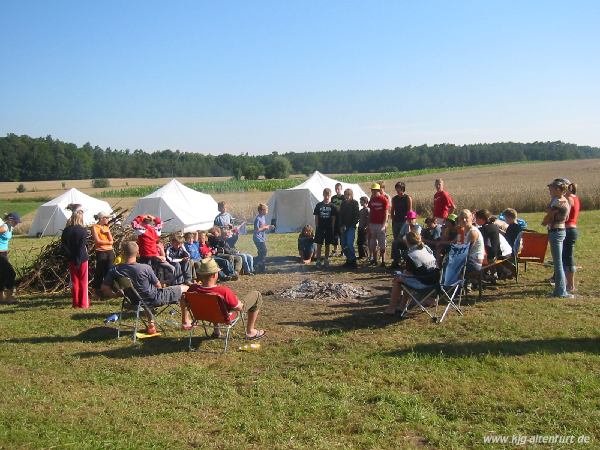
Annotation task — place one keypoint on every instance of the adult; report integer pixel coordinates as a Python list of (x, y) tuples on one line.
[(144, 281), (443, 205), (471, 235), (348, 219), (225, 221), (103, 248), (400, 206), (74, 244), (555, 218), (208, 274), (337, 201), (7, 272), (378, 212), (571, 236)]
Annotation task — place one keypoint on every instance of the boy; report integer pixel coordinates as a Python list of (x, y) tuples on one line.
[(179, 258), (337, 201), (225, 222), (260, 238), (363, 225), (378, 207), (325, 215), (513, 230)]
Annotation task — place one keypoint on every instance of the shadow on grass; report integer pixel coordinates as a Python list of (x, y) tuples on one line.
[(54, 302), (96, 334), (506, 348)]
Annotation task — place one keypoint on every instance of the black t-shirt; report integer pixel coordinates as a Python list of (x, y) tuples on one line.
[(400, 206), (491, 240), (74, 243), (325, 212)]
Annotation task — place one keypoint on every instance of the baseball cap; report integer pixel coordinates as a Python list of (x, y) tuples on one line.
[(559, 182), (411, 215), (14, 216), (375, 187), (452, 217)]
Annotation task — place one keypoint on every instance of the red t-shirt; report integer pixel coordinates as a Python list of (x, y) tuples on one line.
[(228, 295), (148, 235), (378, 207), (442, 202), (573, 212)]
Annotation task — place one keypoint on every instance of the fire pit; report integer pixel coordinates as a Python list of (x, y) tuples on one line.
[(322, 290)]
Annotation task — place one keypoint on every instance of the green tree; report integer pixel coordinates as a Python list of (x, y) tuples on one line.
[(279, 167)]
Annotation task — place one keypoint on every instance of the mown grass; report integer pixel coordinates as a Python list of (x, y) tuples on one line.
[(21, 206), (327, 376)]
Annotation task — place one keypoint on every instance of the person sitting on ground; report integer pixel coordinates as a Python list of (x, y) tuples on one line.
[(207, 274), (223, 250), (362, 239), (225, 222), (399, 245), (179, 258), (227, 272), (421, 272), (348, 218), (325, 217), (144, 281), (306, 244), (431, 232)]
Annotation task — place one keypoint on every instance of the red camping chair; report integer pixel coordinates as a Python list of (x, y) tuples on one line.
[(533, 249), (211, 309)]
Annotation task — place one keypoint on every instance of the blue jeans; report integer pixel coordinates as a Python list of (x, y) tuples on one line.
[(261, 248), (247, 262), (348, 243), (556, 239), (568, 257)]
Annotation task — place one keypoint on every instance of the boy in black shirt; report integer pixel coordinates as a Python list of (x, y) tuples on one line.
[(325, 218), (337, 201)]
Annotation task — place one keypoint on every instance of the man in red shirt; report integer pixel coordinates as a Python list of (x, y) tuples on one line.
[(378, 207), (208, 272), (442, 203)]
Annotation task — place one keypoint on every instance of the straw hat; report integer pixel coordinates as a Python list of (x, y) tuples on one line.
[(208, 266)]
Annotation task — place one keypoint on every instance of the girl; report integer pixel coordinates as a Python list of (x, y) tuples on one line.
[(73, 239), (103, 246), (7, 272), (306, 244), (570, 237), (469, 234)]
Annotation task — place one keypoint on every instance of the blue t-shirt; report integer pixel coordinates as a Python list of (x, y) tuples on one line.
[(5, 237), (259, 221), (194, 250)]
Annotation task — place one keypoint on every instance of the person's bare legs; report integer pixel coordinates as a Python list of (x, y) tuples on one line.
[(396, 293), (570, 276)]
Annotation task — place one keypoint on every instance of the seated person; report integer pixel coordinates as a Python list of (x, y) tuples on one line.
[(469, 234), (431, 233), (163, 270), (421, 272), (144, 281), (225, 222), (306, 244), (447, 237), (514, 228), (207, 274), (399, 245), (227, 272), (179, 258), (221, 248)]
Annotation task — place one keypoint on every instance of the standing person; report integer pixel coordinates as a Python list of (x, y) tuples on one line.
[(260, 238), (337, 201), (325, 217), (7, 272), (555, 218), (73, 239), (103, 248), (378, 212), (571, 236), (225, 221), (401, 205), (442, 203), (348, 219), (363, 227)]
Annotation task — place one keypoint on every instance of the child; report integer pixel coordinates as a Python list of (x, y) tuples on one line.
[(179, 258), (227, 272), (325, 216), (225, 222), (363, 227), (221, 248), (348, 215), (431, 233), (513, 230), (259, 236), (306, 244), (399, 245), (337, 201)]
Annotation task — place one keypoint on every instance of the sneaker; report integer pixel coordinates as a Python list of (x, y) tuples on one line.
[(150, 329), (567, 295)]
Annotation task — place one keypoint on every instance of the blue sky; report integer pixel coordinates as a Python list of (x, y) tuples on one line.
[(263, 76)]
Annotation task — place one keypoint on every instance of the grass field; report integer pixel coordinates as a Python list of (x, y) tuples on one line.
[(328, 375)]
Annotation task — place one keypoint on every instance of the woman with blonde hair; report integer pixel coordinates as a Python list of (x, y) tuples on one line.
[(74, 243), (469, 234)]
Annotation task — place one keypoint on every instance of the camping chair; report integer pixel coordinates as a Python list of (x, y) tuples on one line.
[(450, 287), (144, 313), (529, 246), (211, 309)]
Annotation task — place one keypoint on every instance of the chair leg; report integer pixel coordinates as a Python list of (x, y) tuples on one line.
[(227, 339)]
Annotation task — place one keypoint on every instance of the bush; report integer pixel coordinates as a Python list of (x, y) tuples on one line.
[(279, 167), (21, 188), (101, 183)]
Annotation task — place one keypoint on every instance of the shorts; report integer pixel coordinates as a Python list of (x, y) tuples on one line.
[(377, 233), (167, 296), (324, 234)]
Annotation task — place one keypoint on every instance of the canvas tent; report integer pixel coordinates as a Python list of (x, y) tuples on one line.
[(51, 218), (293, 208), (180, 208)]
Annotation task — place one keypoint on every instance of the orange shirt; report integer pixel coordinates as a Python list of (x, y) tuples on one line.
[(103, 242)]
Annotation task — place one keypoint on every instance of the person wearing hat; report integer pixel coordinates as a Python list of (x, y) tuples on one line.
[(103, 248), (378, 208), (443, 205), (555, 219), (7, 272), (208, 273), (399, 244), (74, 244), (144, 282)]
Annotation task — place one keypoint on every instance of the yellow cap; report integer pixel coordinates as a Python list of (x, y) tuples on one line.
[(375, 187)]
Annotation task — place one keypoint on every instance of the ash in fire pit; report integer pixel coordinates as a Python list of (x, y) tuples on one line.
[(321, 290)]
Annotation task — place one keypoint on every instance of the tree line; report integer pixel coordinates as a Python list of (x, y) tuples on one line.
[(23, 158)]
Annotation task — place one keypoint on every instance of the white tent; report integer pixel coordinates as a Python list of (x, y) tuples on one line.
[(293, 208), (179, 207), (51, 218)]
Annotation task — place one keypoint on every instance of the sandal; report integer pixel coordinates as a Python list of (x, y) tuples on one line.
[(259, 335), (188, 326)]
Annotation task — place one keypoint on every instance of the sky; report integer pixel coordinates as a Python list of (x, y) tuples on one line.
[(263, 76)]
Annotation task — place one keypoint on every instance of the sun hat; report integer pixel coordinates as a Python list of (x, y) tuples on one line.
[(559, 182), (375, 187), (411, 215), (14, 216), (102, 215), (452, 217), (208, 266)]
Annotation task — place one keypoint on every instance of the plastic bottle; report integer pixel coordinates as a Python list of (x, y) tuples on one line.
[(112, 318), (172, 323), (249, 347)]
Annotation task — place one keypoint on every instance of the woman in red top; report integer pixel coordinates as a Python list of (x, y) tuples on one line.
[(571, 236)]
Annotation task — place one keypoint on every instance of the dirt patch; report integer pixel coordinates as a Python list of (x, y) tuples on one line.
[(324, 290)]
